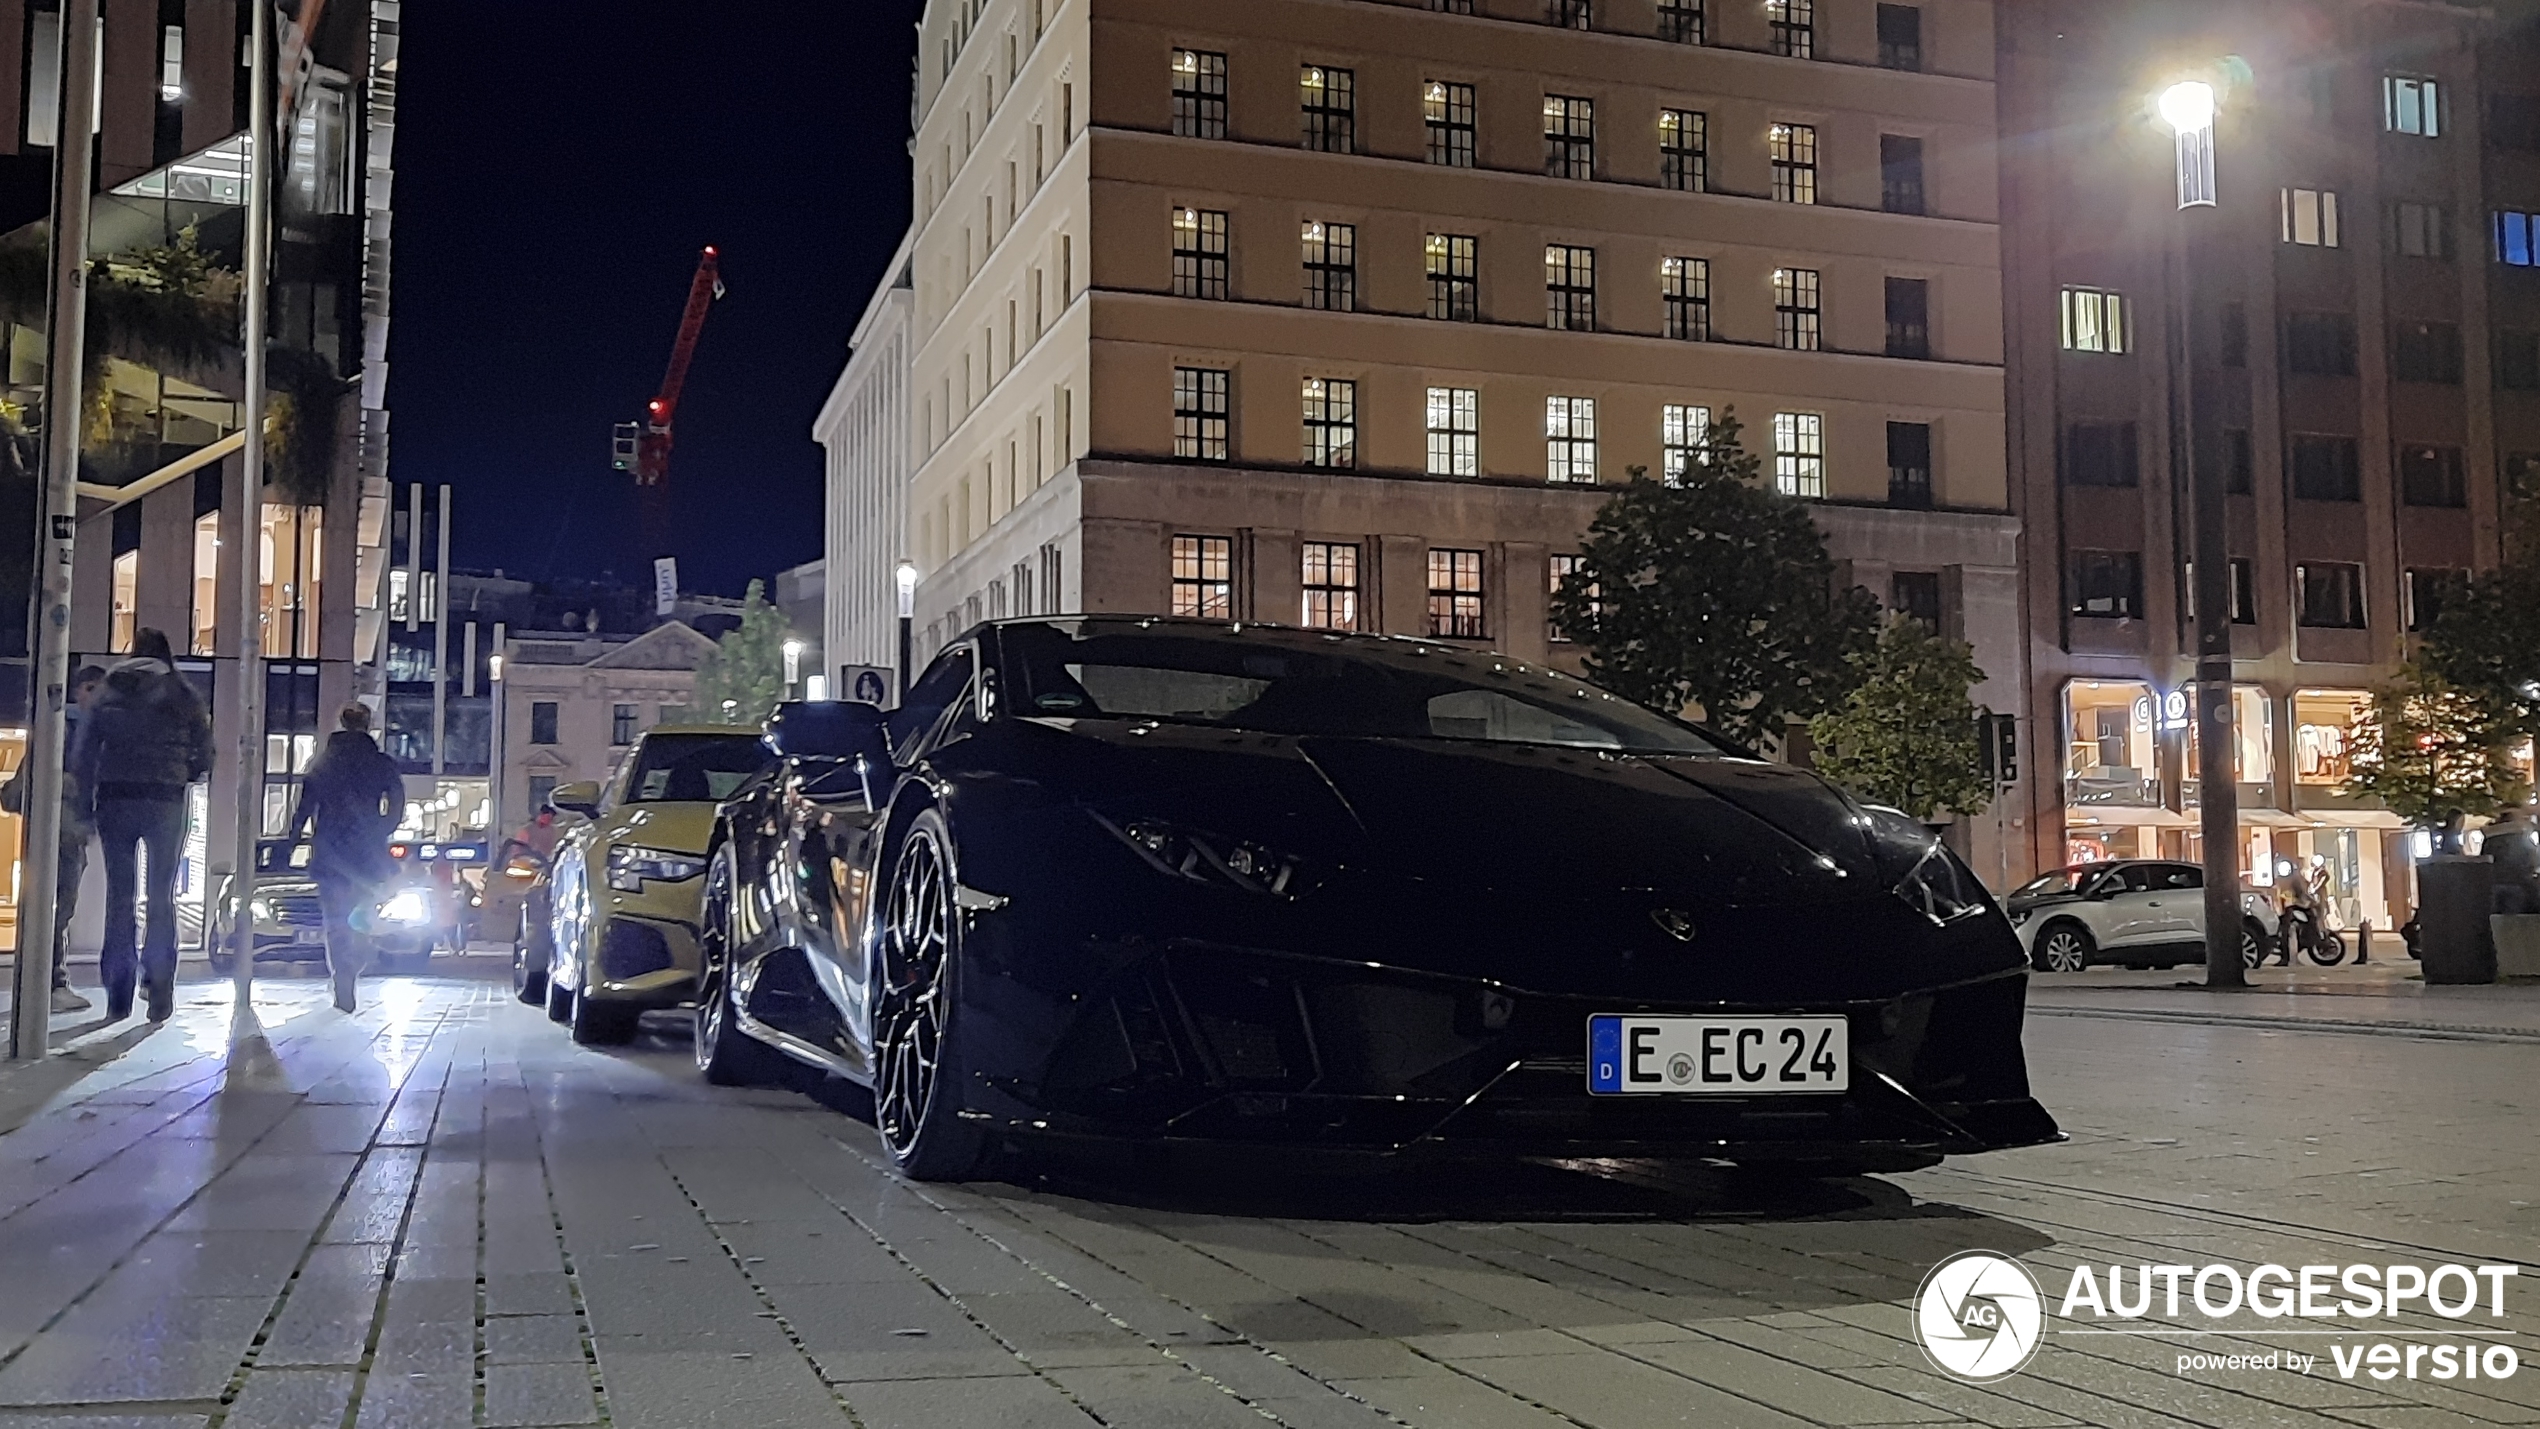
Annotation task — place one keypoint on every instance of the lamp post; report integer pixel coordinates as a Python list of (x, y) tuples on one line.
[(2188, 108), (906, 575), (793, 666)]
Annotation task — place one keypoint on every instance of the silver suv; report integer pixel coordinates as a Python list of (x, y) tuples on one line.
[(2139, 913)]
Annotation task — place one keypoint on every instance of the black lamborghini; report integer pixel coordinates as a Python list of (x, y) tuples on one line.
[(1107, 879)]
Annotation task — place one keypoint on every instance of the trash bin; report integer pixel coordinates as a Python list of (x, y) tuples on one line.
[(2454, 894)]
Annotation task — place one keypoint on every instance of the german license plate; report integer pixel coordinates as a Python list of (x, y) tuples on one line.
[(1717, 1056), (308, 936)]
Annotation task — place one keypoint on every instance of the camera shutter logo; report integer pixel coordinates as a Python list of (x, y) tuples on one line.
[(1979, 1316)]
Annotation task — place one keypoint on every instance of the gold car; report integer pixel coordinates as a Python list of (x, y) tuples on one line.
[(625, 885)]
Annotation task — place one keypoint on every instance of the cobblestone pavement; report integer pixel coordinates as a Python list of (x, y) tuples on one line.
[(437, 1212)]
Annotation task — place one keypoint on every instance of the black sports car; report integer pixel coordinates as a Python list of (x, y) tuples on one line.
[(1110, 878)]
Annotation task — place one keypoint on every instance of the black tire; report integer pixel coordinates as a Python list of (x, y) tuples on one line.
[(726, 1055), (2256, 944), (559, 1002), (528, 984), (2063, 946), (2327, 948), (594, 1023), (917, 1076)]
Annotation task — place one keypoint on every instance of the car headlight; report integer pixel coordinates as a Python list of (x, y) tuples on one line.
[(262, 908), (1210, 859), (631, 866), (407, 906), (1926, 875), (2019, 917)]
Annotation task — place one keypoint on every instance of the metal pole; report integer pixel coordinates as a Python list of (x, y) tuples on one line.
[(249, 617), (440, 645), (414, 554), (494, 672), (31, 1021)]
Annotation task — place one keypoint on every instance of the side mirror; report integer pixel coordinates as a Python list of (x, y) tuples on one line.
[(582, 796)]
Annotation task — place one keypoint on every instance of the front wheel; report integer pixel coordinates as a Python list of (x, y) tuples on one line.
[(529, 984), (2064, 948), (726, 1055), (917, 1083), (594, 1023), (2326, 948), (2253, 943)]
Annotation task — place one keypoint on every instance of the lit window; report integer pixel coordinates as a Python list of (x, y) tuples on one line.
[(1569, 438), (1455, 431), (1560, 569), (2518, 238), (1331, 265), (1569, 137), (2411, 104), (1454, 285), (127, 603), (2094, 321), (1569, 287), (206, 587), (1199, 253), (2310, 217), (1685, 286), (1799, 454), (1331, 423), (1447, 110), (1680, 21), (1204, 577), (1199, 94), (293, 559), (1329, 101), (1684, 437), (1796, 316), (171, 63), (1331, 585), (1794, 153), (1684, 149), (1794, 27), (1199, 413), (1455, 594)]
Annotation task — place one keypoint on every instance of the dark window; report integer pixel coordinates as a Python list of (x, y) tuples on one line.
[(1454, 291), (2106, 585), (2321, 344), (2238, 470), (542, 787), (1683, 149), (542, 722), (1569, 287), (2324, 468), (2518, 360), (1569, 137), (1900, 172), (1901, 36), (1797, 319), (1908, 317), (2329, 595), (2244, 591), (1330, 255), (1199, 94), (1331, 423), (1794, 27), (1199, 253), (1916, 596), (2431, 476), (622, 724), (2427, 590), (1680, 21), (1328, 99), (1909, 464), (1447, 110), (1568, 14), (2100, 454), (1199, 413), (2513, 121), (1204, 577), (1684, 284), (2420, 230), (2522, 475), (1455, 594), (2425, 352), (1452, 7), (2235, 335)]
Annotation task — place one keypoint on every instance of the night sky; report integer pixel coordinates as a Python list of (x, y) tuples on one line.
[(559, 165)]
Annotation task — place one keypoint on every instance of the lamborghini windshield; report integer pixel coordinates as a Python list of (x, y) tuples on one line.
[(1286, 682)]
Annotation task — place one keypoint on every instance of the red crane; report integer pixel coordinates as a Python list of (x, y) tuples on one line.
[(644, 447)]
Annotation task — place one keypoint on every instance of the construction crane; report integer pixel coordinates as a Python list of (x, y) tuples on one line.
[(644, 447)]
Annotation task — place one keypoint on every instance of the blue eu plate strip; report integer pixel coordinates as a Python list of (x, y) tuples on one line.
[(1605, 1054)]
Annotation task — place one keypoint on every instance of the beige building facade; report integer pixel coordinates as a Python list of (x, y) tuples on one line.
[(571, 704)]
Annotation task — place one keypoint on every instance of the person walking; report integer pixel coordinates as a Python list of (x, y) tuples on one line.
[(351, 798), (145, 739), (76, 832)]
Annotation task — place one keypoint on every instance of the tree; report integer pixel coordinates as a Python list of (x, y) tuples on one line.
[(2432, 748), (1906, 735), (743, 678), (2486, 640), (1715, 591)]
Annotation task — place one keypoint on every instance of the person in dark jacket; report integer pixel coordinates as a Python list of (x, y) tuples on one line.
[(353, 796), (144, 741), (73, 863)]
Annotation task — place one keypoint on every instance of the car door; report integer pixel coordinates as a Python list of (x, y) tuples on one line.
[(2123, 905), (2177, 903)]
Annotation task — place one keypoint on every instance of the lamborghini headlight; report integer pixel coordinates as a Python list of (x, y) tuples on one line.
[(1212, 859), (262, 908), (631, 866), (1927, 876), (407, 907)]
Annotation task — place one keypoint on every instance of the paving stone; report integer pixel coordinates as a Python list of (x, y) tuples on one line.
[(533, 1339), (291, 1399), (540, 1394), (999, 1403)]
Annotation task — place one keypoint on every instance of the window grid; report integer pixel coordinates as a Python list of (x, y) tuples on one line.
[(1684, 144), (1455, 594), (1569, 287), (1900, 37), (1204, 577), (1685, 285), (1909, 465), (1901, 173), (1568, 14), (1558, 569), (2309, 217), (1680, 21), (2426, 352), (1455, 431), (1199, 253), (1454, 287), (2106, 585), (2094, 320), (2411, 104), (1796, 316), (1199, 413), (2431, 476), (621, 725), (1908, 317), (2329, 595), (1330, 253), (1330, 580), (2517, 238), (1569, 439), (1569, 137), (1794, 149), (1327, 100), (2324, 468), (1199, 94), (2421, 230), (1447, 111), (1799, 454), (1331, 423), (1452, 7), (1684, 440), (1794, 27)]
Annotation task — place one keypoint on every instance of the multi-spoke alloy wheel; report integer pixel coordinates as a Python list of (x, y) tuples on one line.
[(2064, 949), (916, 1093), (727, 1056)]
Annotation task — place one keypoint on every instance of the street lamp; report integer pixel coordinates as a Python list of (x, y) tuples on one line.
[(2188, 108), (793, 664), (906, 575)]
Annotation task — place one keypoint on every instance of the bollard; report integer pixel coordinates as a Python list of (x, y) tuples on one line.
[(2363, 943), (2455, 892)]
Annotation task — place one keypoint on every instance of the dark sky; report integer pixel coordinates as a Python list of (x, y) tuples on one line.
[(559, 165)]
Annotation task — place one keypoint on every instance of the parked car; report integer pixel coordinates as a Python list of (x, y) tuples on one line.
[(624, 886), (406, 922), (1180, 883), (2136, 912)]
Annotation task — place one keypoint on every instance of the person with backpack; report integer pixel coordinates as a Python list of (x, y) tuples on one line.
[(352, 798), (146, 739)]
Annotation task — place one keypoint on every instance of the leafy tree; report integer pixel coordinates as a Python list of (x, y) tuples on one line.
[(746, 669), (1715, 591), (2486, 641), (1906, 735), (2432, 748)]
